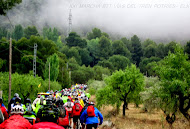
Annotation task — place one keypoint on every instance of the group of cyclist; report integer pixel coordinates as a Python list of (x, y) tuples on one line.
[(63, 107)]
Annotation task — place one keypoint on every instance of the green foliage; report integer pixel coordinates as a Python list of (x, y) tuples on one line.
[(137, 49), (94, 86), (161, 51), (187, 48), (82, 75), (85, 56), (54, 85), (54, 67), (93, 48), (72, 64), (74, 53), (171, 46), (119, 62), (119, 48), (3, 32), (18, 32), (128, 44), (104, 48), (149, 48), (29, 31), (63, 76), (96, 33), (106, 64), (51, 34), (1, 63), (75, 40), (59, 43), (175, 82), (100, 72), (23, 54), (6, 5), (25, 85), (145, 65), (120, 86), (150, 95)]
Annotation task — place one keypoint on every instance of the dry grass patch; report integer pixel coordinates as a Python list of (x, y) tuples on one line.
[(136, 119)]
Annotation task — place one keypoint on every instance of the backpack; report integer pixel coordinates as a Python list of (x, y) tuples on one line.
[(63, 121), (69, 105), (28, 109), (62, 112), (1, 116), (48, 113), (77, 107), (91, 111)]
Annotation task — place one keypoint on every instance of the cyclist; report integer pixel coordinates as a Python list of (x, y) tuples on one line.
[(64, 97), (48, 112), (29, 114), (90, 117), (17, 110), (77, 108), (17, 101), (12, 101), (35, 102), (4, 115), (69, 105), (63, 119)]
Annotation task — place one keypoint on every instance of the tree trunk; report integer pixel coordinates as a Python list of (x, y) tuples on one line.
[(124, 106), (186, 115), (170, 119), (184, 110), (136, 105), (124, 109), (118, 106)]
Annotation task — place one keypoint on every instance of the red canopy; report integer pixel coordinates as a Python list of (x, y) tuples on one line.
[(16, 122), (46, 125)]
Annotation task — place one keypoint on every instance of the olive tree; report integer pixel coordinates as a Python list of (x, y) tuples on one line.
[(121, 86)]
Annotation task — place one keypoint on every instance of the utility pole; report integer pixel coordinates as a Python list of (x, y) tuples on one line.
[(10, 70), (70, 23), (49, 76), (34, 60), (70, 74)]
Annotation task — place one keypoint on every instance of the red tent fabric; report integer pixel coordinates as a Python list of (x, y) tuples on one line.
[(16, 122), (46, 125)]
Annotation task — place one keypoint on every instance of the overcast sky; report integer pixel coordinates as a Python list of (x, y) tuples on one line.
[(156, 19), (146, 18)]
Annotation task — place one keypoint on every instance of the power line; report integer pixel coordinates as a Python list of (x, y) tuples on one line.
[(4, 50), (26, 55), (29, 46), (10, 22), (19, 50), (3, 42)]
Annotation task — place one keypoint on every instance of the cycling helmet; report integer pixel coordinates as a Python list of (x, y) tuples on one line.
[(41, 100), (27, 100), (17, 100), (59, 102), (77, 101), (49, 101), (68, 100), (38, 96), (16, 95), (17, 110)]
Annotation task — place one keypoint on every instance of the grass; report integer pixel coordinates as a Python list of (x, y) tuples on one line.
[(136, 119)]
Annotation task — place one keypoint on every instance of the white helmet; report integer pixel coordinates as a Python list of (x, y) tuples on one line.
[(17, 110)]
